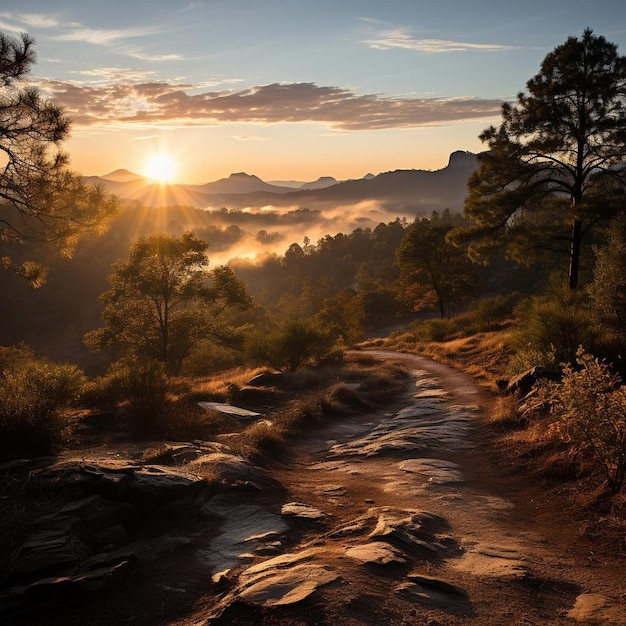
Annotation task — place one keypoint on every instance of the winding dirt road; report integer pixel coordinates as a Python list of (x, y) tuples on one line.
[(402, 518)]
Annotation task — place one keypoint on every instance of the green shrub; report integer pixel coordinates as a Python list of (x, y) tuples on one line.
[(438, 330), (553, 327), (486, 312), (140, 384), (34, 396), (590, 410), (288, 347)]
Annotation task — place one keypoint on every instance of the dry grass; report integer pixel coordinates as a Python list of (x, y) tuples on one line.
[(484, 355)]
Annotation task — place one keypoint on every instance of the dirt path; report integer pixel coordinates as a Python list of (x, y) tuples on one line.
[(397, 517), (406, 520)]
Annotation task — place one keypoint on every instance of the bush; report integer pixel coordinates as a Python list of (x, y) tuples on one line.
[(590, 410), (553, 327), (437, 330), (141, 384), (290, 346), (489, 311), (34, 395)]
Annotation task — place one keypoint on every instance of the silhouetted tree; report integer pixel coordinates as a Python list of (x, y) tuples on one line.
[(555, 166), (40, 198)]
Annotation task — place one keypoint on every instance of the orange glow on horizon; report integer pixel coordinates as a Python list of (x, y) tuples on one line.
[(161, 168)]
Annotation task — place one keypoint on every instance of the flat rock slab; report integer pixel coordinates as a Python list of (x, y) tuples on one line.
[(437, 471), (436, 592), (283, 580), (494, 560), (428, 423), (302, 511), (247, 527), (228, 409), (594, 608), (230, 469), (375, 553)]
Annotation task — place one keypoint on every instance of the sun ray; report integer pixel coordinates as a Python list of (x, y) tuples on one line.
[(161, 168)]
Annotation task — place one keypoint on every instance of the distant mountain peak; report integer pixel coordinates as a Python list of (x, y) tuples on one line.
[(243, 175), (462, 158), (321, 183), (122, 175)]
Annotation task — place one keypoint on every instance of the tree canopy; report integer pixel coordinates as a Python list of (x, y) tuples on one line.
[(557, 163), (41, 199), (436, 274), (163, 300)]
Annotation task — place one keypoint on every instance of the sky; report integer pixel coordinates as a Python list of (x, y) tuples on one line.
[(287, 89)]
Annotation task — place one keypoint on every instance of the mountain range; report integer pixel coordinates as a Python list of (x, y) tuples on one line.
[(398, 190)]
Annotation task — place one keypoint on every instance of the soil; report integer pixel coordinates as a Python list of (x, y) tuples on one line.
[(513, 551)]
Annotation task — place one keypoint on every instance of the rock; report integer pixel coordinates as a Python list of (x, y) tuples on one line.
[(301, 511), (266, 379), (522, 384), (229, 409), (594, 608), (437, 471), (428, 423), (247, 527), (436, 592), (412, 533), (153, 484), (278, 588), (493, 560), (56, 590), (376, 553), (89, 515), (49, 552), (232, 470), (280, 581)]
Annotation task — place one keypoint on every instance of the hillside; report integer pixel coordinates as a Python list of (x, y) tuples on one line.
[(395, 191)]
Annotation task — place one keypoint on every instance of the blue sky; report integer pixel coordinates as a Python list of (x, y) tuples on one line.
[(290, 89)]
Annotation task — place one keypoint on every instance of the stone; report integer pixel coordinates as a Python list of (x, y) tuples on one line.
[(229, 409), (266, 379), (431, 591), (286, 587), (246, 527), (49, 552), (301, 511), (375, 553), (231, 469), (493, 560), (437, 471)]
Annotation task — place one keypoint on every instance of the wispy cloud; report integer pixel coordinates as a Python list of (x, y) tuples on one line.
[(115, 74), (38, 20), (100, 36), (401, 38), (160, 103), (137, 53), (249, 138)]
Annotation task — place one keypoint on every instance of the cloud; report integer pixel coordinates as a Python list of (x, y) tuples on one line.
[(157, 103), (100, 36), (115, 74), (401, 38), (249, 138), (37, 20)]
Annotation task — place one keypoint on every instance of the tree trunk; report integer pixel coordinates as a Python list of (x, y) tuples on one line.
[(574, 254)]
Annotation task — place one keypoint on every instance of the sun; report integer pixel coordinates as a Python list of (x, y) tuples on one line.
[(161, 168)]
